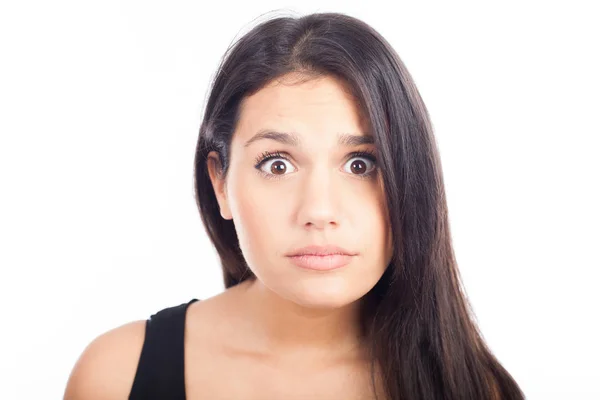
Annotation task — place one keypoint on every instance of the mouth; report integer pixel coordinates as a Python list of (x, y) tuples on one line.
[(321, 258), (321, 251), (321, 263)]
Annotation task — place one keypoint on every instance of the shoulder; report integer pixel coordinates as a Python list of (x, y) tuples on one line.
[(107, 366)]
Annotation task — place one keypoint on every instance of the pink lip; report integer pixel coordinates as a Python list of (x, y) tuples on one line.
[(320, 251), (321, 263), (321, 258)]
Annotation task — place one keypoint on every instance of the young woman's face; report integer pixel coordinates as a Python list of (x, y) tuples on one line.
[(311, 191)]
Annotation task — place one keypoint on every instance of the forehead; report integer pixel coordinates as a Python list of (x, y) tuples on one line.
[(319, 106)]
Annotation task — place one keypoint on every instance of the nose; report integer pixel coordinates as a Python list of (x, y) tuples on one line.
[(319, 206)]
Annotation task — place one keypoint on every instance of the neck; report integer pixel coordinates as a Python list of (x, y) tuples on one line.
[(282, 326)]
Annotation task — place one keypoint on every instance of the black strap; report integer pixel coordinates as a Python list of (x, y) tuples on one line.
[(160, 371)]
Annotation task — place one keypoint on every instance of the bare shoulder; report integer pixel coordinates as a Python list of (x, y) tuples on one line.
[(215, 341), (107, 366)]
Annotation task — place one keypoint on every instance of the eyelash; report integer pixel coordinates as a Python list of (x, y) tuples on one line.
[(267, 155)]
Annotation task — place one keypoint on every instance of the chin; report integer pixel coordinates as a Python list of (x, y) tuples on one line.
[(328, 294)]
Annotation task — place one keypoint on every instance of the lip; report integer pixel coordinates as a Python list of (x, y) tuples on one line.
[(321, 258), (321, 263), (320, 251)]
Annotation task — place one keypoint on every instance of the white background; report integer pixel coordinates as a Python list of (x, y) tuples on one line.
[(100, 104)]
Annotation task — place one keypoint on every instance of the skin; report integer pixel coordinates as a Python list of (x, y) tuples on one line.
[(290, 333), (313, 197)]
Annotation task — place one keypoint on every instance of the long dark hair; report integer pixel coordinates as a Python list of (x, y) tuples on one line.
[(422, 335)]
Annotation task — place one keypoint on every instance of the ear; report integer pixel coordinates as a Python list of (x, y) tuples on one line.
[(218, 182)]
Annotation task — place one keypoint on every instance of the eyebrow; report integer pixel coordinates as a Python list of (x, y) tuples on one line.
[(345, 139)]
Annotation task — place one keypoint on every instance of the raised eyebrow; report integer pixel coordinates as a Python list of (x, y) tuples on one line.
[(348, 140), (282, 137), (345, 139)]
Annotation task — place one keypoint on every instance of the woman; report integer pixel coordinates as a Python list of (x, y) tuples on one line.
[(319, 182)]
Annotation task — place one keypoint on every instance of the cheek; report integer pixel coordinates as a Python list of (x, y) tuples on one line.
[(376, 228), (378, 238), (258, 216)]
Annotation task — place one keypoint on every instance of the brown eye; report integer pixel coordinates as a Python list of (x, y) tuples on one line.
[(361, 166), (358, 167), (275, 166), (278, 167)]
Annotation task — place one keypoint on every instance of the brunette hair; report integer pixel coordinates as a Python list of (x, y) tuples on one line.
[(420, 327)]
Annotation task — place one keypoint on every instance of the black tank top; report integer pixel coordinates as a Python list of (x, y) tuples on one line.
[(160, 369)]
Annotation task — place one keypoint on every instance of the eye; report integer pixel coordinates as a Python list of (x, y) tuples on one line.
[(362, 164), (273, 165)]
